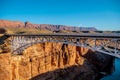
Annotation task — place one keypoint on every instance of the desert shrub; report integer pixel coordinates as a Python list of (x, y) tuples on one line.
[(2, 31)]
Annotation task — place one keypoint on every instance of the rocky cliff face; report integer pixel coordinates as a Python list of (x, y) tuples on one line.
[(53, 61), (17, 24)]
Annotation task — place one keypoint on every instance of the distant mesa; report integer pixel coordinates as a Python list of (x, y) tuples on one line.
[(7, 23), (50, 27)]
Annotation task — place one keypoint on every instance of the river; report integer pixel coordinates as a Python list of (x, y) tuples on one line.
[(116, 74)]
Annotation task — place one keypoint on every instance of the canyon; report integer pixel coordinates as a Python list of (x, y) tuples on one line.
[(50, 60), (54, 61)]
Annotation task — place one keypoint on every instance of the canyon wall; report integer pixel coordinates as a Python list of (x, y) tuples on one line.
[(54, 61)]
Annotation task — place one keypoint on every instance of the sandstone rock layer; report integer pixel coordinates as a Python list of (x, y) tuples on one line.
[(49, 61)]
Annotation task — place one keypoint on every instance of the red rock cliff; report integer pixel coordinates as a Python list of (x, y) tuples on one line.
[(50, 27), (50, 61)]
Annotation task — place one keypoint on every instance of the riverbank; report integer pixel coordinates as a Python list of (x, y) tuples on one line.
[(116, 74)]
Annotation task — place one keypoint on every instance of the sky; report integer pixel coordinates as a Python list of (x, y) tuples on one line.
[(102, 14)]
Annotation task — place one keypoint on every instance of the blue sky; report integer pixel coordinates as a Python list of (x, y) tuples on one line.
[(102, 14)]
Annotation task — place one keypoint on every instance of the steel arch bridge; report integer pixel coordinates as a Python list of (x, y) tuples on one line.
[(104, 43)]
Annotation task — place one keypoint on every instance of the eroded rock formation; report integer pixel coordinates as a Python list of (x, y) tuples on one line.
[(53, 61)]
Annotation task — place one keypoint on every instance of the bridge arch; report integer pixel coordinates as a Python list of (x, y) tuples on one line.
[(41, 50), (19, 50)]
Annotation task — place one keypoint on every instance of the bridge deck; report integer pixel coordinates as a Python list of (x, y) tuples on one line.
[(100, 35)]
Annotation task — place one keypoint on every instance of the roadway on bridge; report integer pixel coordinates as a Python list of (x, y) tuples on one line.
[(100, 35)]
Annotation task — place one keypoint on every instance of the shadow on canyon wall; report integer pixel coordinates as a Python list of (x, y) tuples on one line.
[(75, 72), (96, 66), (103, 62)]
